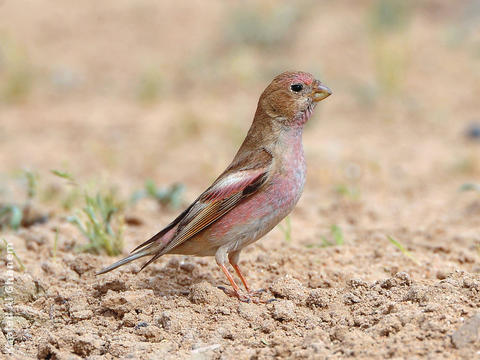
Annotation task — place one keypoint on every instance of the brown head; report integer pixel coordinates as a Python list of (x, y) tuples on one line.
[(287, 103), (291, 97)]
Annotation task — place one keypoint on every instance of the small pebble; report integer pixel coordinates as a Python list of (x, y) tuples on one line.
[(473, 131), (141, 324)]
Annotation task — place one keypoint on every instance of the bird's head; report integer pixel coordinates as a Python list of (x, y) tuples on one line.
[(291, 97)]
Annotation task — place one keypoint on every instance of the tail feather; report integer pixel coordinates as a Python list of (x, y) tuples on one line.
[(169, 227), (136, 255), (154, 246), (155, 257)]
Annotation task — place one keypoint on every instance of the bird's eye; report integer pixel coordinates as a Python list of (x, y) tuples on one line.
[(296, 87)]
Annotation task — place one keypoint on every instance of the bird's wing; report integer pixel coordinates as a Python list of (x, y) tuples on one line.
[(165, 230), (225, 193)]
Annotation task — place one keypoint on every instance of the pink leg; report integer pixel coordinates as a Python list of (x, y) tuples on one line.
[(240, 275), (236, 289), (233, 259)]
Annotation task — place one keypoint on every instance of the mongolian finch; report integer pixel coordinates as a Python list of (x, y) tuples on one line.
[(256, 191)]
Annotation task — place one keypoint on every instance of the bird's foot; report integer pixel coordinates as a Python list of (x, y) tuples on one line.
[(252, 296), (258, 292), (236, 294)]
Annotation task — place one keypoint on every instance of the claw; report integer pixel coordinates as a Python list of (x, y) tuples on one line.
[(256, 292), (233, 293), (250, 297)]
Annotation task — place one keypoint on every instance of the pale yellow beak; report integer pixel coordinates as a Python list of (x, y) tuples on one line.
[(320, 92)]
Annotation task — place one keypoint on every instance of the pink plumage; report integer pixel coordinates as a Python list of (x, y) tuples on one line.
[(256, 191)]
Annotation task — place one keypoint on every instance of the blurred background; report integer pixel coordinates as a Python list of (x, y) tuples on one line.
[(124, 91), (115, 114)]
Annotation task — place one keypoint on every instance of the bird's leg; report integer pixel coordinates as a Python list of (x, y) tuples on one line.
[(230, 278), (221, 258), (236, 289), (233, 259), (240, 275)]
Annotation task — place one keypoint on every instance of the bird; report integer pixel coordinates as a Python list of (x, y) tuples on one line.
[(256, 191)]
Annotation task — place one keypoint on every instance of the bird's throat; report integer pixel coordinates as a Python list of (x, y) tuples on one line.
[(303, 116)]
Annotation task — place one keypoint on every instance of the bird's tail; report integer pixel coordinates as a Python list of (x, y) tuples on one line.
[(154, 246), (136, 255)]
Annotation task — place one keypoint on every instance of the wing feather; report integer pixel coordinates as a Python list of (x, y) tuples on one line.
[(247, 173), (161, 233), (216, 202)]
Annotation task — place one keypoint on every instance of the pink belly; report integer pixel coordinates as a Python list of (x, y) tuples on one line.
[(261, 212), (252, 218), (264, 209)]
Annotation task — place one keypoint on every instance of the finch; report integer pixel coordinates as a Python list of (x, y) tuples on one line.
[(257, 190)]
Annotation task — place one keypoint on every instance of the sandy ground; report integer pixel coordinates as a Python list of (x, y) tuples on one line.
[(387, 165)]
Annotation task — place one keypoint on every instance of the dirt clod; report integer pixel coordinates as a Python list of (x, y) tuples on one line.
[(86, 344), (317, 298), (121, 303), (283, 310), (205, 293), (468, 333), (109, 282), (82, 263), (289, 288)]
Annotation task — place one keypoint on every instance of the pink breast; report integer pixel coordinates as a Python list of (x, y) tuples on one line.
[(266, 208)]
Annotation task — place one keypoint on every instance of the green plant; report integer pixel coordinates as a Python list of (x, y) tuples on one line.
[(390, 15), (335, 238), (170, 196), (101, 222), (64, 175), (14, 215), (286, 229), (261, 25), (55, 245), (149, 86), (32, 184), (347, 191), (403, 250), (16, 79), (466, 165), (10, 250), (388, 21), (336, 235), (69, 198), (470, 187), (10, 216)]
